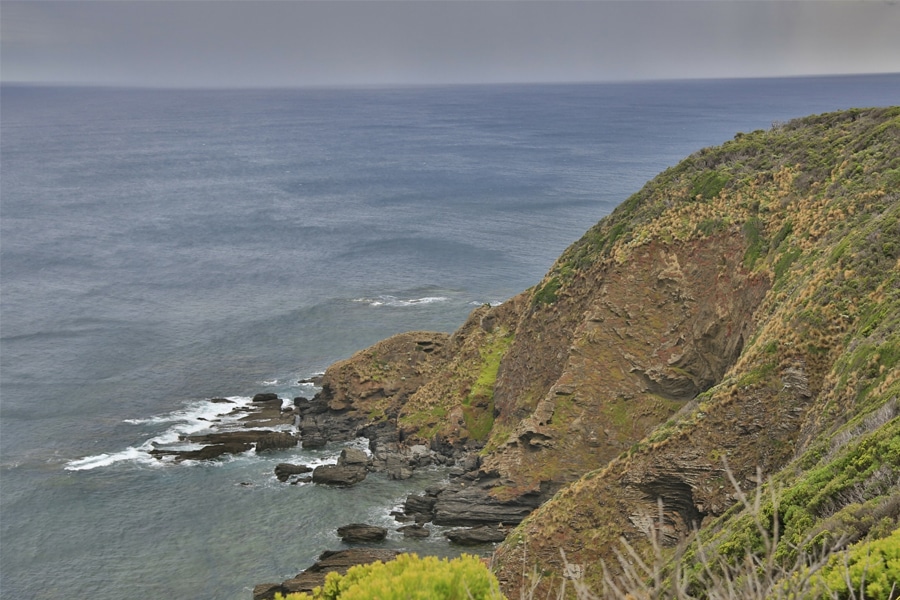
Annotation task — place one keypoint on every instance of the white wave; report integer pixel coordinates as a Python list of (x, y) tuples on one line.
[(105, 460), (193, 418), (394, 301), (492, 303)]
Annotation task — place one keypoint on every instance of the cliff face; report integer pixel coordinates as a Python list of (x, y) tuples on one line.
[(743, 309)]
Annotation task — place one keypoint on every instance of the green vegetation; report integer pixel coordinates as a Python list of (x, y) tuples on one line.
[(478, 405), (708, 185), (841, 500), (868, 569), (409, 577), (547, 292), (427, 422)]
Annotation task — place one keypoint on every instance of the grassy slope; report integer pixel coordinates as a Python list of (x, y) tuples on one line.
[(813, 397)]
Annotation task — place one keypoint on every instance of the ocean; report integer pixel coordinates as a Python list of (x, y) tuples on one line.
[(160, 248)]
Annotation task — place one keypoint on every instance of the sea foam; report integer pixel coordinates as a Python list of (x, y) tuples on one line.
[(394, 301), (195, 417)]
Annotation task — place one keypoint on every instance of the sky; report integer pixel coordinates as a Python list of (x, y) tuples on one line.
[(296, 43)]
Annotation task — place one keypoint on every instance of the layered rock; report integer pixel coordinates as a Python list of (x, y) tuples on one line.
[(477, 536), (264, 425), (351, 468), (361, 532), (286, 471)]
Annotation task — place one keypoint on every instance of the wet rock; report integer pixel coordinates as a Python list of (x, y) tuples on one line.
[(266, 397), (311, 440), (284, 471), (414, 531), (267, 591), (420, 505), (276, 440), (361, 532), (206, 453), (340, 475), (473, 536), (472, 505), (353, 457)]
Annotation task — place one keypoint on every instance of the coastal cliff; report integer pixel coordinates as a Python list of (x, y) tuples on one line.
[(736, 322)]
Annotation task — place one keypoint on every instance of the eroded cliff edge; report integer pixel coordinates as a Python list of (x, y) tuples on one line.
[(742, 309)]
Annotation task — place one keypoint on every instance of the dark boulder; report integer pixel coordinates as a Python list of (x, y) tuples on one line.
[(353, 457), (312, 439), (361, 532), (420, 505), (341, 475), (414, 531), (473, 536), (265, 397), (284, 471), (276, 440)]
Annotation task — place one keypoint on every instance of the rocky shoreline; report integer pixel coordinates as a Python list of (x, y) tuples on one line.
[(463, 503)]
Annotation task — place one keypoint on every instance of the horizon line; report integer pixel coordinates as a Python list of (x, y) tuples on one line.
[(401, 85)]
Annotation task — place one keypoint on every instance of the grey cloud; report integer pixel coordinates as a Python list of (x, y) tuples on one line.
[(218, 43)]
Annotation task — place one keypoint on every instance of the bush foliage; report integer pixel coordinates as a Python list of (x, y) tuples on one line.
[(868, 569), (409, 577)]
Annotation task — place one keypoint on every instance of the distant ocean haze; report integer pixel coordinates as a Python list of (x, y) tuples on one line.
[(160, 248)]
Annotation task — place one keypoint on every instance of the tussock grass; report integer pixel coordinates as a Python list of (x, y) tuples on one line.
[(697, 570)]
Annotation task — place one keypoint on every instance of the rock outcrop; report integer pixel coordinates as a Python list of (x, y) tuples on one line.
[(476, 536), (351, 468), (361, 533), (264, 425), (286, 471)]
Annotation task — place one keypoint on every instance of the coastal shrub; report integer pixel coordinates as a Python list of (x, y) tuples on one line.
[(708, 185), (868, 569), (409, 577)]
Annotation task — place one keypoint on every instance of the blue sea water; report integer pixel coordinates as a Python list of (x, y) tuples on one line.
[(159, 248)]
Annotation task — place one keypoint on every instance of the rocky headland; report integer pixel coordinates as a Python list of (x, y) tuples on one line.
[(734, 324)]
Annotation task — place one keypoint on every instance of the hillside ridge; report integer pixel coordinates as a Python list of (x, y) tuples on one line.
[(737, 317)]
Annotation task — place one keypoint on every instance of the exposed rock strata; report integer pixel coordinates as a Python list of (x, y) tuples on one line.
[(361, 532), (476, 536)]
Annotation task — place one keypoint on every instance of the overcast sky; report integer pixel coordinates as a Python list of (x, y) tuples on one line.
[(217, 43)]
